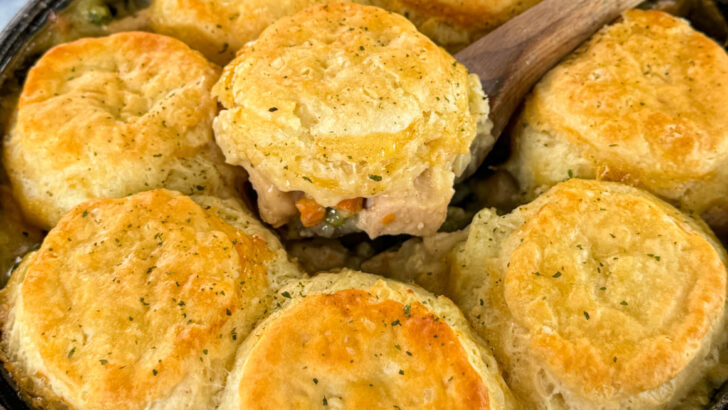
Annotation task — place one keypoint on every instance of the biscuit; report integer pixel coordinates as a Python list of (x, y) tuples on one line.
[(110, 117), (596, 295), (351, 340), (220, 28), (343, 103), (139, 302), (454, 24), (644, 102)]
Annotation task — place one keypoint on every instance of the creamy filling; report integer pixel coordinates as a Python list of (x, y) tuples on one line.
[(275, 206), (420, 210)]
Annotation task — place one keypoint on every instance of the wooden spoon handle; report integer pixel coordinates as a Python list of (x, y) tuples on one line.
[(513, 57)]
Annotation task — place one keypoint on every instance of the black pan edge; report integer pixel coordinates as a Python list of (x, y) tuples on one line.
[(21, 29), (31, 18)]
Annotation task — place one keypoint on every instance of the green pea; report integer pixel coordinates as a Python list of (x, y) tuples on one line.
[(333, 217), (96, 12)]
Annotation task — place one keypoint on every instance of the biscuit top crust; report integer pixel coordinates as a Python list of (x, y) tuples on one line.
[(344, 101), (128, 297), (129, 91), (615, 289), (109, 117), (646, 97), (220, 28), (351, 349), (461, 13)]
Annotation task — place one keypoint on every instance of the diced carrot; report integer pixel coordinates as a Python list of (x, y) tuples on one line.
[(389, 218), (311, 212), (350, 206)]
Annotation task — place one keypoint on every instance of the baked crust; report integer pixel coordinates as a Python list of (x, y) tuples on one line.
[(344, 101), (644, 103), (220, 28), (138, 302), (454, 24), (596, 295), (352, 340), (110, 117)]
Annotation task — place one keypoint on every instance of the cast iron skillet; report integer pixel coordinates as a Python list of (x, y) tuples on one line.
[(17, 34)]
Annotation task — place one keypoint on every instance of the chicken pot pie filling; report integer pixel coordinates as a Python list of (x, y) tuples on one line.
[(342, 102), (610, 321)]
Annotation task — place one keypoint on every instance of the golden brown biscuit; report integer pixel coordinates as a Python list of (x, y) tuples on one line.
[(454, 24), (220, 28), (596, 295), (356, 341), (348, 108), (112, 116), (644, 102), (139, 302)]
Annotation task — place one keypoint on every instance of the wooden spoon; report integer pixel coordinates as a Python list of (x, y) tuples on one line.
[(513, 57)]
